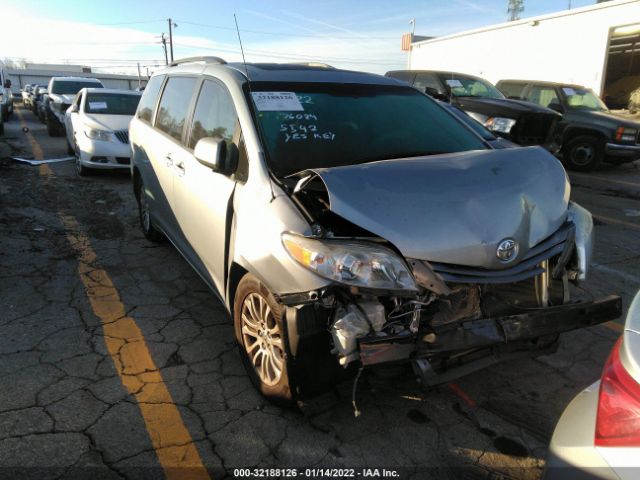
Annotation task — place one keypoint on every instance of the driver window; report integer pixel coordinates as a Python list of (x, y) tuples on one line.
[(424, 80), (215, 116), (544, 96)]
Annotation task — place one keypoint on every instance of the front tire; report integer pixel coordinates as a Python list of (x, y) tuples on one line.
[(261, 335), (583, 153), (146, 224)]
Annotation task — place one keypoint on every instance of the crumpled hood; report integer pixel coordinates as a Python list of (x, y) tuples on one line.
[(505, 107), (109, 122), (454, 208)]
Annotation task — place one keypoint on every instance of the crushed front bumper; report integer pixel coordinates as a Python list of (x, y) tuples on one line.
[(489, 332)]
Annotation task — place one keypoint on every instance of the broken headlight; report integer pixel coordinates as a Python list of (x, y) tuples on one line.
[(358, 264), (500, 124)]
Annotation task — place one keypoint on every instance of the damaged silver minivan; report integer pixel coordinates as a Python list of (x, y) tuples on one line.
[(347, 220)]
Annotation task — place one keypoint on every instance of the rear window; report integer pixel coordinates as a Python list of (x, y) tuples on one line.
[(71, 87), (149, 97), (111, 103), (512, 90), (174, 104)]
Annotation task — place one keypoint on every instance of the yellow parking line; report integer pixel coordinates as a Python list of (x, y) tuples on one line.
[(171, 439), (35, 147), (139, 374)]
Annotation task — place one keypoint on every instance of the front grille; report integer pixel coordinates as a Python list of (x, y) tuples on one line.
[(528, 267), (533, 129), (123, 160), (122, 135)]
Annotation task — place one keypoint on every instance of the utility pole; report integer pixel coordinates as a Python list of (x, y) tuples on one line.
[(515, 8), (171, 24), (139, 79)]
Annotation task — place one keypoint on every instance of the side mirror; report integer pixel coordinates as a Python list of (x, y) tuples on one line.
[(212, 152), (432, 92), (7, 83), (557, 107), (74, 108)]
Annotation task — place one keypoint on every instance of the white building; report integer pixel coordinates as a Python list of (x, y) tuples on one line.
[(596, 46)]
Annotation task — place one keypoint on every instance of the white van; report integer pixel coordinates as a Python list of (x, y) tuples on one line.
[(6, 97)]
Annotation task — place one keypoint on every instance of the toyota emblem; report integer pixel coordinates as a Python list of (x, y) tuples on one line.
[(507, 250)]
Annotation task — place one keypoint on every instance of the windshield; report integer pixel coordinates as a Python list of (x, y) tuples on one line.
[(310, 125), (111, 103), (63, 87), (463, 86), (583, 99)]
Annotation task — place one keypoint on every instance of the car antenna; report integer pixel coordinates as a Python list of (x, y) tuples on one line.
[(246, 72)]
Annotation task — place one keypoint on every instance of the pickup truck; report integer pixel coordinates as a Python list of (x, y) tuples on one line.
[(589, 132), (524, 123), (61, 93)]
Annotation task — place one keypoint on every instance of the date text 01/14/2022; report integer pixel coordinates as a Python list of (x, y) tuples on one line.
[(315, 473)]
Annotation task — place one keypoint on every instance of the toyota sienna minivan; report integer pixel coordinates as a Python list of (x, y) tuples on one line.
[(347, 220)]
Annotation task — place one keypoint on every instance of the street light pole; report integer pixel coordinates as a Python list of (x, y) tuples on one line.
[(171, 24), (163, 39)]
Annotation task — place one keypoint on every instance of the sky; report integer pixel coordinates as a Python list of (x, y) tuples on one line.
[(114, 35)]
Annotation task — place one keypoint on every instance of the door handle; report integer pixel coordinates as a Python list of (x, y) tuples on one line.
[(180, 168), (169, 160)]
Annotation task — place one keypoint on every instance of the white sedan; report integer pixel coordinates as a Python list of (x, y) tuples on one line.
[(97, 125), (598, 435)]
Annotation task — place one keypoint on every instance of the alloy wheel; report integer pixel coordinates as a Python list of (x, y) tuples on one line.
[(262, 339), (144, 210)]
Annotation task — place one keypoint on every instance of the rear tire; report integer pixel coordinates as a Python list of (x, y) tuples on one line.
[(53, 128), (583, 153), (146, 224), (263, 342)]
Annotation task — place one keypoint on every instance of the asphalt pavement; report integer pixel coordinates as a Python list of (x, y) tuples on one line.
[(117, 362)]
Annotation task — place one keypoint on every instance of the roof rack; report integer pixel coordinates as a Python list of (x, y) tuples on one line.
[(205, 59)]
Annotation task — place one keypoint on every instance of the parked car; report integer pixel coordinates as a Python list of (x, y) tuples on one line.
[(634, 101), (39, 98), (493, 140), (598, 435), (346, 219), (97, 128), (589, 133), (520, 122), (31, 97), (6, 97), (25, 94), (61, 93)]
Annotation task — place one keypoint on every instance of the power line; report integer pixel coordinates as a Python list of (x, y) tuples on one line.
[(264, 32), (292, 56), (130, 23)]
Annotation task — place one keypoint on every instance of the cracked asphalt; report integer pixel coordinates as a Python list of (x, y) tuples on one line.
[(117, 362)]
